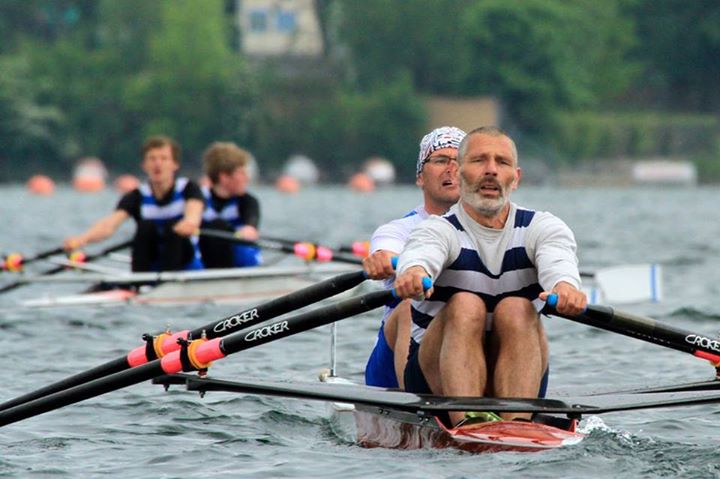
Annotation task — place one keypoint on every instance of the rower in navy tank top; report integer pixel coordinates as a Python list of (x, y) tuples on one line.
[(167, 212), (229, 207), (435, 175), (478, 332)]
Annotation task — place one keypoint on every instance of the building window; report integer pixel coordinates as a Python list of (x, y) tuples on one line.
[(258, 20), (286, 22)]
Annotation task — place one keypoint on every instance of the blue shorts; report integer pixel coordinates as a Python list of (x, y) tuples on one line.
[(246, 256), (380, 368), (415, 381)]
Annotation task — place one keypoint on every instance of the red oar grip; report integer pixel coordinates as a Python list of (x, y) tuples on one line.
[(200, 356), (162, 344)]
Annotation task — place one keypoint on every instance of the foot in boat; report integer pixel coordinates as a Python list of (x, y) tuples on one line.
[(477, 417)]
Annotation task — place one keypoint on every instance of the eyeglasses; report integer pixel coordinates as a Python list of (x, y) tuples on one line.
[(439, 160)]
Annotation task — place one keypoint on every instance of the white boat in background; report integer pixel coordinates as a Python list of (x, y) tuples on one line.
[(234, 285)]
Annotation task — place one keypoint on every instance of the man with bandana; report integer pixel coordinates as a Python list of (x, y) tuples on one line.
[(477, 332), (436, 175)]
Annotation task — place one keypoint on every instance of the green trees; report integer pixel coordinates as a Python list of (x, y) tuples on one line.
[(584, 78), (142, 68), (542, 56)]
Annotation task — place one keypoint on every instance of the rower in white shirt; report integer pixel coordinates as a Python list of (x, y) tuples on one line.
[(478, 332), (436, 175)]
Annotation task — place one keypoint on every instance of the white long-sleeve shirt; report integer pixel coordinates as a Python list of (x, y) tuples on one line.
[(549, 242)]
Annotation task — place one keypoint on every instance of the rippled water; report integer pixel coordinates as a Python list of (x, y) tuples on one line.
[(141, 431)]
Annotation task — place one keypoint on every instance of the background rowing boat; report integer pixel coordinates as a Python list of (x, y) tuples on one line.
[(141, 430)]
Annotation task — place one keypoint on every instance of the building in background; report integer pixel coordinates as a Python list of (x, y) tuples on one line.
[(279, 28)]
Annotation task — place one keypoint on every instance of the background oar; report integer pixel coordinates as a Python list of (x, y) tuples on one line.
[(357, 248), (623, 284), (305, 250), (15, 261), (645, 329), (158, 346), (199, 354), (57, 269)]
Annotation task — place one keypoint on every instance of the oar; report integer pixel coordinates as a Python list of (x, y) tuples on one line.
[(357, 248), (58, 269), (199, 354), (305, 250), (159, 346), (645, 329), (15, 261)]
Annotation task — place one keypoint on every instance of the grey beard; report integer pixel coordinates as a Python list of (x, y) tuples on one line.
[(487, 207)]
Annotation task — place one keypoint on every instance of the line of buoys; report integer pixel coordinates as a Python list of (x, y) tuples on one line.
[(41, 185)]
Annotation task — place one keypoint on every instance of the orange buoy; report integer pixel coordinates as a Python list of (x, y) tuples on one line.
[(287, 184), (41, 185), (361, 182), (88, 184), (126, 183)]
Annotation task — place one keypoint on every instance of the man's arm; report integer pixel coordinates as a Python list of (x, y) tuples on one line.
[(192, 215), (430, 248), (190, 223), (249, 210), (103, 228), (387, 241), (556, 262)]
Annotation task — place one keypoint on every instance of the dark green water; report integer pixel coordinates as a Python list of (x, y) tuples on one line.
[(142, 431)]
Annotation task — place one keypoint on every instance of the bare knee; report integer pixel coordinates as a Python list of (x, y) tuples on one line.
[(465, 313), (515, 314)]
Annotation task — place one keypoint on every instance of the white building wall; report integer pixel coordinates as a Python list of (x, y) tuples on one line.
[(280, 28)]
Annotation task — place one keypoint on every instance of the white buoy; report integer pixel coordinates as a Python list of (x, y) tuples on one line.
[(302, 169), (380, 170)]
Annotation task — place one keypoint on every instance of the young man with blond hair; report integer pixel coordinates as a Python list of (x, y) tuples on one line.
[(229, 207)]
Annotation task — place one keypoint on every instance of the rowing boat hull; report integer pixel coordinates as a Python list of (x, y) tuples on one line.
[(378, 427), (233, 286)]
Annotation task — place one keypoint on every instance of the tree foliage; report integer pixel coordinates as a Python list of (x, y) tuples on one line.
[(194, 87), (388, 38), (679, 43), (542, 55), (95, 77)]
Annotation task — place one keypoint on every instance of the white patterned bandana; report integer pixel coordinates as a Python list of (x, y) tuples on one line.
[(443, 137)]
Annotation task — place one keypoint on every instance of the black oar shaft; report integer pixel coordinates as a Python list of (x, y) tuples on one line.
[(304, 321), (291, 302), (57, 269), (210, 350), (647, 329), (236, 322)]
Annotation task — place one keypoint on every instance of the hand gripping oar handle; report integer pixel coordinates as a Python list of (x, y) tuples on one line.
[(199, 354), (643, 328), (57, 269), (159, 346)]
